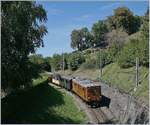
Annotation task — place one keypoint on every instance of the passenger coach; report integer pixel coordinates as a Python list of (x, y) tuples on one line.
[(56, 79), (66, 82)]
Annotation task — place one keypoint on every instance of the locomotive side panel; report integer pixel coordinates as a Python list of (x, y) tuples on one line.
[(80, 90)]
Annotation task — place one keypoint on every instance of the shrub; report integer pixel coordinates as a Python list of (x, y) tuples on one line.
[(104, 57), (75, 60), (90, 63), (134, 48), (93, 60), (112, 52)]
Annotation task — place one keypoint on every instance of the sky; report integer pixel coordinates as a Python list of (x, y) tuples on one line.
[(63, 17)]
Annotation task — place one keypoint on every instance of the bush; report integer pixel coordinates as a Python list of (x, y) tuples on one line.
[(90, 63), (75, 60), (104, 57), (112, 53), (56, 62), (134, 48), (93, 60)]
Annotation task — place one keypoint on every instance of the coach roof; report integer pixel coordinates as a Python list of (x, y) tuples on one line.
[(85, 82)]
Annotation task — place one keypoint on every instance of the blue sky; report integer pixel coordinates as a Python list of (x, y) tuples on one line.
[(63, 17)]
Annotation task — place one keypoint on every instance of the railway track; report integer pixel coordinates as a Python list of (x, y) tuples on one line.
[(101, 117), (97, 115)]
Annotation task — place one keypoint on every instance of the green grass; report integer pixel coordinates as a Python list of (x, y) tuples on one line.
[(41, 104), (42, 76), (125, 80)]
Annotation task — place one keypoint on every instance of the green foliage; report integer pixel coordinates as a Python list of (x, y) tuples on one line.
[(45, 66), (98, 31), (91, 62), (112, 52), (81, 39), (137, 47), (22, 33), (110, 22), (124, 79), (75, 60), (36, 58), (124, 18), (56, 62), (39, 60), (103, 58), (134, 48), (96, 59), (145, 26)]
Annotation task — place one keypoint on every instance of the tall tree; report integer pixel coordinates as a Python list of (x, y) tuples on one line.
[(80, 39), (56, 62), (99, 30), (137, 47), (22, 33), (124, 18)]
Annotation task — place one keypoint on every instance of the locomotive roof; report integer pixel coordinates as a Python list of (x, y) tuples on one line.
[(86, 83)]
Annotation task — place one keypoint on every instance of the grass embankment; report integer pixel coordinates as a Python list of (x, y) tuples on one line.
[(123, 79), (41, 104)]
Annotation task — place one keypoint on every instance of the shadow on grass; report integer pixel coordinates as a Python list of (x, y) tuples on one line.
[(33, 106)]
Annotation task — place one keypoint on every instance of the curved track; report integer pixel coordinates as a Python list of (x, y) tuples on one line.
[(97, 115)]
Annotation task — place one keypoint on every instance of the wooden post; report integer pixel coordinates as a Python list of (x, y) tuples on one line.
[(137, 71)]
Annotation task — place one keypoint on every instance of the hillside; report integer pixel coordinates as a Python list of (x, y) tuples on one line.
[(124, 79)]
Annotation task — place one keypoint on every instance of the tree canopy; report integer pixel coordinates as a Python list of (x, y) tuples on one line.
[(99, 30), (81, 39), (124, 18), (22, 32)]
